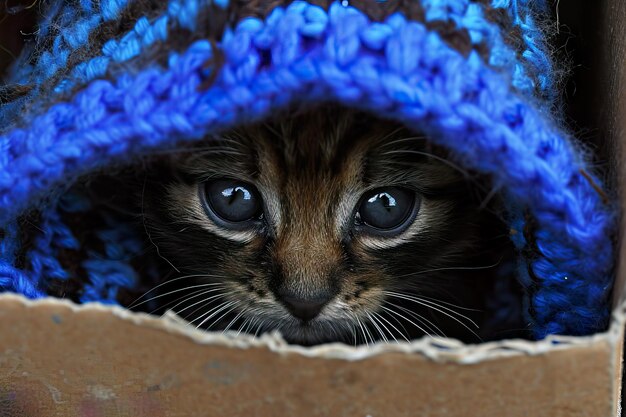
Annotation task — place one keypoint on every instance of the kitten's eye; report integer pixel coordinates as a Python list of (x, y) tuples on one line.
[(388, 210), (232, 201)]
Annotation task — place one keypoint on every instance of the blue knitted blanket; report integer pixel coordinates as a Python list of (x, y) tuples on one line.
[(107, 82)]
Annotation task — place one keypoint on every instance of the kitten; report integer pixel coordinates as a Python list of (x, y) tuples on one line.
[(326, 225)]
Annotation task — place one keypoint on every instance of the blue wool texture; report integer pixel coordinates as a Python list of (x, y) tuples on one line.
[(493, 113)]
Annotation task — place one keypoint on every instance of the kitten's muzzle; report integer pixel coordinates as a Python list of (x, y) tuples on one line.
[(305, 309)]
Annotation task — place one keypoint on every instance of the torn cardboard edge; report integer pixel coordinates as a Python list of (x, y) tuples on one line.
[(60, 359), (437, 349)]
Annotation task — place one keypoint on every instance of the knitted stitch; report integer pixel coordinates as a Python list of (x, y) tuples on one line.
[(66, 27), (485, 100)]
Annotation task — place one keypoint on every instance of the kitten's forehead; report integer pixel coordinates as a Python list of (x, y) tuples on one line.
[(309, 164), (322, 145)]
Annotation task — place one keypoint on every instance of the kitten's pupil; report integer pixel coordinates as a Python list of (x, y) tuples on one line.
[(388, 202), (233, 194), (389, 209), (232, 200)]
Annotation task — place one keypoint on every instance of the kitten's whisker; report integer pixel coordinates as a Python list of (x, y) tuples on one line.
[(226, 313), (202, 292), (228, 305), (250, 325), (432, 327), (381, 317), (202, 152), (423, 303), (399, 323), (402, 140), (200, 317), (362, 330), (199, 152), (380, 332), (183, 297), (204, 300), (242, 325), (272, 130), (241, 313), (451, 268), (367, 329), (178, 290), (381, 141), (259, 327), (407, 319), (227, 139), (430, 304), (451, 164), (145, 227), (432, 299), (204, 303), (380, 320), (429, 324), (336, 331), (224, 146), (367, 332), (172, 280), (488, 197), (414, 288)]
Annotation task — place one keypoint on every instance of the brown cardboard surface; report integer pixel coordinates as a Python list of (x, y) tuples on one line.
[(98, 361)]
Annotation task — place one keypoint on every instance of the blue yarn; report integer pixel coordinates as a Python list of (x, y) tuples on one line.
[(144, 34), (78, 20), (524, 13), (489, 113), (10, 243)]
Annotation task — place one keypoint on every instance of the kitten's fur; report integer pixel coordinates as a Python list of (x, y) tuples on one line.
[(311, 169)]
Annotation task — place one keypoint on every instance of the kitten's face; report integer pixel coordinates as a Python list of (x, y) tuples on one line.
[(331, 226)]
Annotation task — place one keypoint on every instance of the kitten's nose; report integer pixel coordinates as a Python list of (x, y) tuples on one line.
[(304, 309)]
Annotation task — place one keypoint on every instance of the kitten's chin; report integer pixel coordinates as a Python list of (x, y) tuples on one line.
[(312, 333), (306, 338)]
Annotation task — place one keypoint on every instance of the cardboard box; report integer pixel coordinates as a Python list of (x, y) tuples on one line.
[(98, 361), (59, 359)]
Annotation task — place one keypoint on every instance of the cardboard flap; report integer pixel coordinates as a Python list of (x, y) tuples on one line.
[(94, 360)]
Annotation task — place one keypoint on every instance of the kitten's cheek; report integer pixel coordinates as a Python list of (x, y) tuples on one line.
[(358, 302)]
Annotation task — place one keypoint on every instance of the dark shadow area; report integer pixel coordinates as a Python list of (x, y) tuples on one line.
[(17, 27), (591, 39), (576, 45)]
